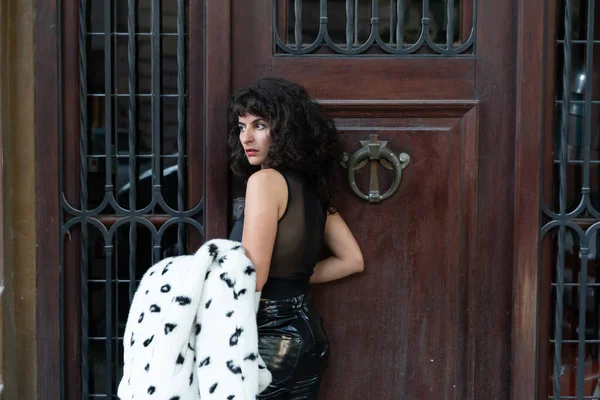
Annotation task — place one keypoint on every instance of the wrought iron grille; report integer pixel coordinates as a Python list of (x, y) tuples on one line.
[(386, 27), (129, 204), (570, 271)]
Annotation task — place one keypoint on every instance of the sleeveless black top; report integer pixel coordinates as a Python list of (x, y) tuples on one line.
[(298, 242)]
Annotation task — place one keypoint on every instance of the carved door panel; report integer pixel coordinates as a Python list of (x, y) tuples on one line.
[(402, 328)]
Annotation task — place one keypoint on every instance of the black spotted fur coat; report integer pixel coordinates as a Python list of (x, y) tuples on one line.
[(191, 331)]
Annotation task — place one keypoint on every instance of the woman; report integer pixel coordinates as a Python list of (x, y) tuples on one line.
[(283, 143)]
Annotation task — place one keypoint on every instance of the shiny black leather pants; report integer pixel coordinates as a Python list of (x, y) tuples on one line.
[(294, 346)]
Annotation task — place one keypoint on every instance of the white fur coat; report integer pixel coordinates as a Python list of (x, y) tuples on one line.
[(191, 331)]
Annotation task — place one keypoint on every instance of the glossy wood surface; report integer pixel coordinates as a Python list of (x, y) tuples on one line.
[(530, 104), (438, 280), (47, 201), (401, 329)]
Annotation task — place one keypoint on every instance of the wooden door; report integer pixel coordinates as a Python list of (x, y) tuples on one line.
[(430, 316)]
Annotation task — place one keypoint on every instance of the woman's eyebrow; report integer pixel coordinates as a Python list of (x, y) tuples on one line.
[(254, 121)]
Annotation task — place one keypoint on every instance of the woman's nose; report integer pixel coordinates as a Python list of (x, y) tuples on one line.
[(246, 136)]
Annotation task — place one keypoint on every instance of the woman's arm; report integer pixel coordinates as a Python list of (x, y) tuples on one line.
[(347, 258), (266, 198)]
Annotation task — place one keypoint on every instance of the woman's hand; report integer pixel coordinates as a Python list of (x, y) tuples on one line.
[(347, 257)]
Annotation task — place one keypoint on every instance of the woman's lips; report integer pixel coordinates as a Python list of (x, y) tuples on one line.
[(251, 152)]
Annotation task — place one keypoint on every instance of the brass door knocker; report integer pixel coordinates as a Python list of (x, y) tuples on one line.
[(375, 152)]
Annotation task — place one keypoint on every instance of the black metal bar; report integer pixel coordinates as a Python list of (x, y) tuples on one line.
[(323, 21), (349, 23), (156, 103), (122, 156), (127, 34), (164, 34), (108, 249), (585, 190), (392, 14), (558, 317), (449, 24), (114, 77), (61, 284), (298, 23), (108, 115), (375, 14), (131, 59), (108, 186), (83, 154), (577, 162), (83, 124), (584, 252), (400, 25), (181, 127), (425, 16), (581, 41), (578, 102), (589, 285), (356, 22), (156, 252), (135, 95), (587, 114)]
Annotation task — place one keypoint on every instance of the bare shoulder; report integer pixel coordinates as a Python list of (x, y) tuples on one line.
[(267, 189), (267, 181)]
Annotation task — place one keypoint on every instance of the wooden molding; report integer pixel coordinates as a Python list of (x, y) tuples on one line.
[(529, 129), (217, 90), (47, 200), (3, 131), (398, 108)]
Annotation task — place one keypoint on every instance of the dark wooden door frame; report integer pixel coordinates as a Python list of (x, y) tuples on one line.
[(531, 68), (217, 89), (495, 90), (47, 200)]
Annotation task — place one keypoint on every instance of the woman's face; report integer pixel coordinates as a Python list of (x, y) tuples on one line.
[(255, 137)]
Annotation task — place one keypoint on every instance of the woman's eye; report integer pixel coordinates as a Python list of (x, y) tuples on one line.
[(260, 126), (241, 127)]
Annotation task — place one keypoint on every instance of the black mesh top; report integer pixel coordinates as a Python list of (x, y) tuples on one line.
[(298, 243)]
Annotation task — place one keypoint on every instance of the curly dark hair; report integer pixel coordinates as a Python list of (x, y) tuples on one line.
[(304, 139)]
